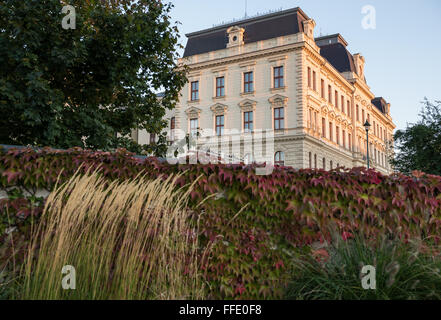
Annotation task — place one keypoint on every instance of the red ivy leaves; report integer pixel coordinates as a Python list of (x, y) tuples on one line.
[(288, 209)]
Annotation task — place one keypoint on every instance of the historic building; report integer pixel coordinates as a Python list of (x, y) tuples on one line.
[(269, 72)]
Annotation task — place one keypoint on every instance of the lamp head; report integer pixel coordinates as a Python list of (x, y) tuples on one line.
[(367, 125)]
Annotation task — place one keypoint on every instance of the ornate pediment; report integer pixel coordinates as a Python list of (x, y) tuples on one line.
[(219, 108), (193, 112), (332, 114), (325, 109), (248, 105), (278, 100)]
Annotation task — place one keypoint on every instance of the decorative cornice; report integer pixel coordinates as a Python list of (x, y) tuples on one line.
[(245, 56)]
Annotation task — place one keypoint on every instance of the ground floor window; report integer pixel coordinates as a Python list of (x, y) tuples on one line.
[(279, 158)]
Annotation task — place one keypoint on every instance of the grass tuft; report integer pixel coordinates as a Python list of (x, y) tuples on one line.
[(131, 240)]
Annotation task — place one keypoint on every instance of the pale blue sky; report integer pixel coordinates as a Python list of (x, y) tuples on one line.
[(403, 53)]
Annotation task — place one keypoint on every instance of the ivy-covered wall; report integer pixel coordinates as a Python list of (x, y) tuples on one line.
[(254, 223)]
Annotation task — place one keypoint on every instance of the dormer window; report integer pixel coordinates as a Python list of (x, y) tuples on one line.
[(235, 36)]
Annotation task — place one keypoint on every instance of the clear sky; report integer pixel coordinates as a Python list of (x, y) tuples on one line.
[(403, 52)]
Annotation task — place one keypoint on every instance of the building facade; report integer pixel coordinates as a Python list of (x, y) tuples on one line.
[(270, 73)]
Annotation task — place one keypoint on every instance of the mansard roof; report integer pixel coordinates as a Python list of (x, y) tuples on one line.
[(259, 28), (380, 104), (333, 49)]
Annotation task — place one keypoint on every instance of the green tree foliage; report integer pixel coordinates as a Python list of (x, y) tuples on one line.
[(80, 87), (419, 146)]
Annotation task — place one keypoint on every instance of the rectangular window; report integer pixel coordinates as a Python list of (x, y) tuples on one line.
[(220, 87), (363, 117), (152, 138), (309, 78), (315, 121), (220, 125), (336, 98), (330, 131), (357, 111), (322, 83), (342, 104), (172, 128), (315, 161), (195, 90), (310, 160), (248, 121), (323, 127), (314, 81), (194, 127), (337, 134), (279, 119), (278, 77), (350, 141), (344, 138), (348, 106), (310, 119), (329, 93), (248, 85)]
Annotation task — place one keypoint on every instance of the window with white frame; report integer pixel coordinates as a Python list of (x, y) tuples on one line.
[(279, 158), (220, 125), (279, 118), (194, 127)]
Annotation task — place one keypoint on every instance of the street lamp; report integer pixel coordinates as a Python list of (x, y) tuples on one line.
[(367, 126)]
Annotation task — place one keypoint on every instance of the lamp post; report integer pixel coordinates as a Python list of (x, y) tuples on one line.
[(367, 126)]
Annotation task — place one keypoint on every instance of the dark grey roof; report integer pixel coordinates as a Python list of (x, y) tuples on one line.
[(380, 104), (260, 28), (338, 56), (331, 39), (333, 49)]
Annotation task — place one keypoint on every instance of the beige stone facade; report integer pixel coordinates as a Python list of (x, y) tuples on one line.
[(323, 109)]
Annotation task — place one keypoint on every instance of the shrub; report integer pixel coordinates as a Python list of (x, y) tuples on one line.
[(126, 240), (252, 223), (403, 271)]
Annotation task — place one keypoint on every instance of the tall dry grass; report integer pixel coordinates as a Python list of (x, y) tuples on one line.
[(126, 240)]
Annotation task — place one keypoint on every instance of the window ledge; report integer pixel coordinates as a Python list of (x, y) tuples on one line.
[(281, 89), (222, 98), (193, 101), (251, 93), (279, 132)]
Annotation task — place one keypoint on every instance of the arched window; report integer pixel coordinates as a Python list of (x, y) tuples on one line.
[(279, 158)]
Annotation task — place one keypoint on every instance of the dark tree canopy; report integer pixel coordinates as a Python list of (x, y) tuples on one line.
[(419, 146), (80, 87)]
